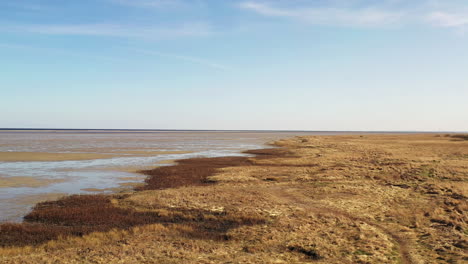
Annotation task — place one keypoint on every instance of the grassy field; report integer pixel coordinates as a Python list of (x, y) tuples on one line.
[(318, 199)]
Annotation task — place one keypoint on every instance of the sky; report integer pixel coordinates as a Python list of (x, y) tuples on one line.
[(383, 65)]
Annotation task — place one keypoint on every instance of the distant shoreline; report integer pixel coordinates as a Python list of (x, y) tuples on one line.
[(85, 130)]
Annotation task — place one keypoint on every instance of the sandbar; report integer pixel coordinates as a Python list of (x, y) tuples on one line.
[(25, 181), (49, 156)]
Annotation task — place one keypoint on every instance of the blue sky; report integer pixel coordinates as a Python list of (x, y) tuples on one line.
[(234, 64)]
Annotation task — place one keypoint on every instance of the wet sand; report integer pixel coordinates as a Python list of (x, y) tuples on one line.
[(25, 181), (41, 156), (48, 156), (35, 163)]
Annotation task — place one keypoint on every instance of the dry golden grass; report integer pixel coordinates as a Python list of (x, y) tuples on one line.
[(322, 199)]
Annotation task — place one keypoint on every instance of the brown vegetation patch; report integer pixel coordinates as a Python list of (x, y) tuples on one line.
[(190, 172), (196, 171), (271, 153), (461, 136), (79, 215)]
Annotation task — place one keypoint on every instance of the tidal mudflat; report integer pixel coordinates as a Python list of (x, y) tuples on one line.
[(321, 199), (37, 163)]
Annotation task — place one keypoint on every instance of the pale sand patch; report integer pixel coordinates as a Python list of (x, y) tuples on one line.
[(129, 150), (25, 181), (151, 153), (96, 189), (47, 156)]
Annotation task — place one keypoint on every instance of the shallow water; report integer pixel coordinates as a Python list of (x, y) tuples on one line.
[(80, 176)]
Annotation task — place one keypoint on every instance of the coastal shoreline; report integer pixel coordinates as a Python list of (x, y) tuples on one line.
[(349, 187), (71, 162), (184, 173)]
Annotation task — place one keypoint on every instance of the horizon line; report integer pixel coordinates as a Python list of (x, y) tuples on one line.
[(225, 130)]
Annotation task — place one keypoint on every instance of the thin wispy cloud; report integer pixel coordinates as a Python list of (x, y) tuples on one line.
[(189, 59), (195, 29), (360, 13), (367, 16), (445, 19)]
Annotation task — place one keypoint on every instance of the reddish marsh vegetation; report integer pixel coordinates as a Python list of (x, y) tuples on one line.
[(195, 172), (79, 215), (461, 136)]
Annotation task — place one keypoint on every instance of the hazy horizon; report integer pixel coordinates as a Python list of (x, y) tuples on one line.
[(220, 130), (327, 65)]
